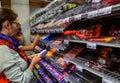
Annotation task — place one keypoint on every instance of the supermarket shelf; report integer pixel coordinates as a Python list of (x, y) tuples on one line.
[(76, 79), (115, 44), (107, 76), (51, 30), (35, 23), (110, 10), (99, 13), (70, 79), (104, 11), (54, 5)]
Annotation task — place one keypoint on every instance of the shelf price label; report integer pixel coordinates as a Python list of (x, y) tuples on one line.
[(66, 41), (66, 19), (91, 45), (57, 30), (47, 31), (104, 11), (77, 17), (71, 18), (52, 30), (62, 29), (93, 14), (96, 1), (106, 81), (37, 31), (80, 68)]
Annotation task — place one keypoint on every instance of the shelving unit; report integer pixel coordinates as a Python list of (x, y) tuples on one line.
[(53, 30), (116, 45), (70, 79), (47, 9), (95, 14), (107, 76), (81, 64)]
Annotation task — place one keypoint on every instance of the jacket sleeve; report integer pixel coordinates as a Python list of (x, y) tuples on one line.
[(9, 65)]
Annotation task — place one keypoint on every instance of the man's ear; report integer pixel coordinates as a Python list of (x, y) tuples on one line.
[(6, 24)]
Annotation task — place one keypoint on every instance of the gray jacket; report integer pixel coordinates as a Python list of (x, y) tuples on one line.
[(13, 66)]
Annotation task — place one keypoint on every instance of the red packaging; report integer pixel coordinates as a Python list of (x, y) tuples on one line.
[(69, 32), (75, 51), (82, 34), (113, 1), (105, 39)]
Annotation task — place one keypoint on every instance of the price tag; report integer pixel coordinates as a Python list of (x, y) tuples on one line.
[(104, 11), (54, 31), (93, 14), (91, 45), (80, 68), (96, 1), (106, 81), (41, 31), (51, 30), (46, 31), (57, 30), (61, 29), (66, 19), (77, 17), (37, 31), (39, 20), (66, 41), (71, 18)]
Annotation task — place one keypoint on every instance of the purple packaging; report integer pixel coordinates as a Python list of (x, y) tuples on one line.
[(45, 76)]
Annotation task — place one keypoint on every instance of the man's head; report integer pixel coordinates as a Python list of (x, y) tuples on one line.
[(8, 22)]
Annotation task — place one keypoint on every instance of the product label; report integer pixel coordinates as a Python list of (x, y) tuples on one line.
[(106, 81), (71, 19), (66, 41), (91, 45), (80, 68), (93, 14), (104, 11), (66, 19), (77, 17), (96, 1)]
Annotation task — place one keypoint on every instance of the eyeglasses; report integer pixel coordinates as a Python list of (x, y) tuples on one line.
[(18, 24)]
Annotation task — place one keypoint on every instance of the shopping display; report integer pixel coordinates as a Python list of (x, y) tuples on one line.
[(82, 42)]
